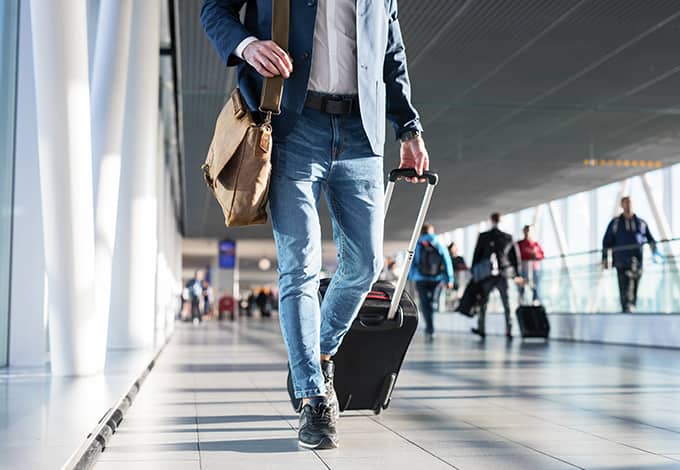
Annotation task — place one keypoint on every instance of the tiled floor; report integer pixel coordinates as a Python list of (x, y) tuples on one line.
[(217, 400), (44, 419)]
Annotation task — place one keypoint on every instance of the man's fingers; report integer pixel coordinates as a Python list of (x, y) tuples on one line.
[(283, 55), (278, 62), (268, 65), (263, 71)]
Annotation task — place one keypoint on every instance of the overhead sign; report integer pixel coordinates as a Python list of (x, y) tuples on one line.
[(227, 254)]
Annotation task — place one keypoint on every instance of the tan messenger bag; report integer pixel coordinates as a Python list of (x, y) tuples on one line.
[(238, 166)]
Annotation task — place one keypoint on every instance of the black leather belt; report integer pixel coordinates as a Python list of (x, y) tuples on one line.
[(332, 104)]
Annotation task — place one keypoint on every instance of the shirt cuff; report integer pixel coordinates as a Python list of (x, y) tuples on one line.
[(238, 52)]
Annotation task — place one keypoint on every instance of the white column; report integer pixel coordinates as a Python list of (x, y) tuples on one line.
[(108, 99), (159, 310), (131, 322), (28, 335), (59, 29)]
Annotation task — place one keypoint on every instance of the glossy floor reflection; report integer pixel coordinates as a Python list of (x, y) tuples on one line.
[(44, 419), (217, 400)]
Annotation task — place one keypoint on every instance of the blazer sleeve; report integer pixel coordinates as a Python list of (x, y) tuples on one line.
[(477, 256), (222, 24), (513, 256), (400, 110), (608, 239)]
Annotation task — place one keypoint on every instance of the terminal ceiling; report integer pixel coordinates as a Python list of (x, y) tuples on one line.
[(513, 96)]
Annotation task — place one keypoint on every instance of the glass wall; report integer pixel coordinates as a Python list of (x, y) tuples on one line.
[(9, 20), (573, 281)]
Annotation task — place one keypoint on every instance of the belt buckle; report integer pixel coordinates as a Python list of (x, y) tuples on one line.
[(339, 105)]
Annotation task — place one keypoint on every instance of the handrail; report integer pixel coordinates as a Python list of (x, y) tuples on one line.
[(599, 250)]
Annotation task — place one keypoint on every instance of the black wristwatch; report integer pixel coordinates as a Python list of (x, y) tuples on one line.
[(409, 135)]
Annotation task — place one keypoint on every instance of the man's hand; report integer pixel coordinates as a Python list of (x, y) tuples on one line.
[(268, 59), (449, 285), (519, 280), (414, 155)]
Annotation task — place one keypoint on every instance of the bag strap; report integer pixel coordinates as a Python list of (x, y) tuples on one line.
[(272, 88)]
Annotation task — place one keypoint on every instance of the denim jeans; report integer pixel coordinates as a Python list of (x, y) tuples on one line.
[(330, 155), (536, 279), (426, 294)]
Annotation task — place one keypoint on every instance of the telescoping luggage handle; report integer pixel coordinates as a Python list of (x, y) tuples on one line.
[(432, 180)]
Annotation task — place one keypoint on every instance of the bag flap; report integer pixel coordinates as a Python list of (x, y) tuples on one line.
[(230, 130)]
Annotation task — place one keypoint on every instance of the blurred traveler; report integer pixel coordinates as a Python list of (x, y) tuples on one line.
[(530, 253), (263, 301), (625, 236), (493, 263), (431, 267), (390, 271), (350, 74), (195, 288), (459, 266), (207, 298)]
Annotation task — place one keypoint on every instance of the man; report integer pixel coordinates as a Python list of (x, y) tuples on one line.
[(625, 236), (530, 253), (345, 69), (496, 249), (430, 269)]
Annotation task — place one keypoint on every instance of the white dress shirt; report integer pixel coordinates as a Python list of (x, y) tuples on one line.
[(334, 52)]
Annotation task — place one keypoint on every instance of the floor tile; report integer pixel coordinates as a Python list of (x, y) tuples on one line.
[(217, 397)]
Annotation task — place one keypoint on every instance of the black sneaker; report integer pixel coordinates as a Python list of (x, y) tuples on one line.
[(317, 430), (328, 370)]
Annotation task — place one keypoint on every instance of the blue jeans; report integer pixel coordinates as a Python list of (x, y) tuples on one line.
[(426, 294), (534, 289), (330, 155)]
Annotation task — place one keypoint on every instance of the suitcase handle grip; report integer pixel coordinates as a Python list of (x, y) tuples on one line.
[(432, 177)]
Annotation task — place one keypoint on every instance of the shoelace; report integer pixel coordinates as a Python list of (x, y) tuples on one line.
[(322, 414)]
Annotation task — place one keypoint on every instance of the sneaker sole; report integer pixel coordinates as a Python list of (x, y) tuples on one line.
[(325, 443)]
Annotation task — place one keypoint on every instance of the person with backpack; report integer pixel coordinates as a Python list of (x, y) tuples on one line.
[(494, 261), (625, 236), (431, 267)]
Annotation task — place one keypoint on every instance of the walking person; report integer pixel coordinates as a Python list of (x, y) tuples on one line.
[(346, 71), (625, 236), (195, 288), (431, 268), (530, 253), (493, 263)]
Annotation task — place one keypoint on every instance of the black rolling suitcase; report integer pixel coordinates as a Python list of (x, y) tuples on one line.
[(370, 357), (533, 322)]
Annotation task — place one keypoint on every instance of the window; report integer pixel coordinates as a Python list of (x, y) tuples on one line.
[(9, 20)]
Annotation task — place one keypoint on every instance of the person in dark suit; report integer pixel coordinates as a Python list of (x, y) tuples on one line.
[(345, 70), (496, 255)]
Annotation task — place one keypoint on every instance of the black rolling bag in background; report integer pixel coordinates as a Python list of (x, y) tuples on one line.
[(368, 361), (370, 356), (533, 322)]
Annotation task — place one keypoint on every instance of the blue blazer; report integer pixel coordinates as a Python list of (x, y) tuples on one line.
[(384, 86)]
